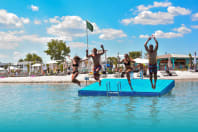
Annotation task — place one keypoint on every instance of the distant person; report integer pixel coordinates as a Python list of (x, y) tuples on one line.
[(96, 60), (75, 64), (152, 56), (128, 69)]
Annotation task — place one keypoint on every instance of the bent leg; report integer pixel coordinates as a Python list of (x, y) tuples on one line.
[(74, 80)]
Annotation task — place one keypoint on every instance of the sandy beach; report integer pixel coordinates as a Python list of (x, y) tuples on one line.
[(181, 75)]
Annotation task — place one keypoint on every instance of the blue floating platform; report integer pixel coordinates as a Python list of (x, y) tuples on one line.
[(120, 87)]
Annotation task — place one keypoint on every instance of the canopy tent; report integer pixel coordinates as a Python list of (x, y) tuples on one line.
[(2, 69), (13, 68), (36, 65), (140, 60), (52, 62)]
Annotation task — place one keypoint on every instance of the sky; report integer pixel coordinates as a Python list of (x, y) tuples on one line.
[(120, 25)]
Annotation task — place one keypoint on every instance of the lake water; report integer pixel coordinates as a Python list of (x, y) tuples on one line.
[(57, 107)]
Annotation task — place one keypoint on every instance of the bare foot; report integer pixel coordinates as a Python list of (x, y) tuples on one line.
[(79, 84), (99, 83), (154, 86), (131, 87)]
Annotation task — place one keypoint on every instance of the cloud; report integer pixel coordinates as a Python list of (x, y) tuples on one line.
[(71, 27), (178, 11), (54, 20), (146, 17), (34, 8), (37, 22), (77, 44), (11, 39), (10, 20), (109, 34), (183, 29), (4, 56), (179, 33), (194, 26), (155, 4), (150, 18), (195, 17)]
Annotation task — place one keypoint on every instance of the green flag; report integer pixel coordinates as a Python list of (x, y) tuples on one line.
[(89, 26)]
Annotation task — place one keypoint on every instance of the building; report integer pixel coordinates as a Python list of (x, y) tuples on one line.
[(176, 61)]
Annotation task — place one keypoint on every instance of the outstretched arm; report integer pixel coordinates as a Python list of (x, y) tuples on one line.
[(156, 46), (103, 51), (145, 45), (87, 55), (132, 60)]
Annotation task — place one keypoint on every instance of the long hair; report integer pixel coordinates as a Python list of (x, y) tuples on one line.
[(77, 58)]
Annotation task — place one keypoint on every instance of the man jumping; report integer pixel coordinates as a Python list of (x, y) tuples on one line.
[(96, 60), (152, 55)]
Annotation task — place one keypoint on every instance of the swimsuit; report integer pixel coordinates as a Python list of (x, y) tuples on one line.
[(153, 68), (97, 67), (76, 71), (128, 63)]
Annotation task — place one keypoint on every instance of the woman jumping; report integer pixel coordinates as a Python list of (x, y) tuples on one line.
[(127, 62), (75, 63)]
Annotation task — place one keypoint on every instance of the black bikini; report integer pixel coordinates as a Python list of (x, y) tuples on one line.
[(127, 64), (75, 65)]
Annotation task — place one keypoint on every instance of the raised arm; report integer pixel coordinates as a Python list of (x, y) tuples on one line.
[(156, 46), (87, 55), (132, 60), (103, 51), (145, 45)]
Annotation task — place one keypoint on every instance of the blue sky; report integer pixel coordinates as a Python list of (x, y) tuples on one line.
[(122, 26)]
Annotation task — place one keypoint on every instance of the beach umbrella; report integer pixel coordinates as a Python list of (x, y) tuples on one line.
[(140, 60), (2, 69), (36, 65)]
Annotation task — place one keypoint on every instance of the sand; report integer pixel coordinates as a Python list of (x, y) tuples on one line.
[(181, 75)]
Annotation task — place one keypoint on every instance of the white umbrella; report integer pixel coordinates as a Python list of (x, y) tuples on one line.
[(140, 60), (52, 62), (2, 69), (13, 68), (36, 65)]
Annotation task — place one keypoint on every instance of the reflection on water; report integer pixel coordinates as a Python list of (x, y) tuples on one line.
[(58, 105)]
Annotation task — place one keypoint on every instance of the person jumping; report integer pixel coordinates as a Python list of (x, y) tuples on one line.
[(152, 56), (96, 60)]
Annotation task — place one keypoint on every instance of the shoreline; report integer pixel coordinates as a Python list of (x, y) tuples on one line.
[(81, 78)]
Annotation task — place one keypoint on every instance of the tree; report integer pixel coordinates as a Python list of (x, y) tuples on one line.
[(33, 57), (135, 54), (190, 60), (20, 60), (113, 60), (57, 50)]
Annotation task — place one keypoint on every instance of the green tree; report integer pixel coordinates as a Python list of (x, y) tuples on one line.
[(33, 57), (135, 54), (113, 60), (57, 50), (190, 60), (20, 60)]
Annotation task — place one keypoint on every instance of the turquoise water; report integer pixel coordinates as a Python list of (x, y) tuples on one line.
[(57, 107)]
